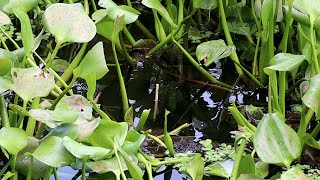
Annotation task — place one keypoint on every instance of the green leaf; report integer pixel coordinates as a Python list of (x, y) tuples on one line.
[(105, 28), (32, 82), (195, 167), (133, 142), (65, 129), (5, 84), (20, 110), (5, 66), (247, 165), (309, 7), (262, 169), (155, 4), (107, 3), (285, 62), (105, 133), (212, 51), (248, 177), (311, 97), (217, 170), (98, 15), (26, 31), (276, 142), (134, 169), (69, 23), (167, 138), (108, 165), (118, 26), (266, 15), (128, 116), (130, 14), (293, 174), (143, 118), (310, 141), (13, 139), (53, 153), (8, 6), (82, 151), (86, 128), (92, 67), (205, 4), (4, 19), (23, 161)]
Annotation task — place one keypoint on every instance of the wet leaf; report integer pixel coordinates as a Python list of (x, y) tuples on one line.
[(53, 153), (5, 84), (82, 151), (155, 4), (13, 139), (23, 161), (65, 129), (133, 142), (143, 118), (31, 82), (69, 23), (310, 141), (311, 98), (293, 174), (92, 67), (205, 4), (105, 133), (195, 167), (212, 51), (4, 19), (8, 6), (285, 62), (276, 142), (26, 31), (128, 116)]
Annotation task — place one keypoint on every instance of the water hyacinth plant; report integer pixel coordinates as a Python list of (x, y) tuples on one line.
[(49, 47)]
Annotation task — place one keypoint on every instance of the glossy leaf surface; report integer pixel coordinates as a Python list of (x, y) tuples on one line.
[(285, 62), (13, 139)]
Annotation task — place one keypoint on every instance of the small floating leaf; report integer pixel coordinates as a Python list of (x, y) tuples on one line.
[(82, 151), (195, 167), (53, 153), (212, 51), (69, 23), (13, 139), (312, 97), (31, 82), (8, 6), (276, 142)]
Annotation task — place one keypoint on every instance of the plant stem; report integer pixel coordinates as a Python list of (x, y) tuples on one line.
[(4, 113), (29, 176), (86, 6), (235, 169), (39, 132), (55, 174), (32, 122), (124, 50), (145, 30), (64, 92), (53, 55), (234, 55), (119, 163), (314, 52), (129, 36), (94, 6), (10, 39), (198, 66), (125, 103), (316, 131), (83, 169)]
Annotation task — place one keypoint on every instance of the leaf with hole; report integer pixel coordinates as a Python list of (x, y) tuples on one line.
[(275, 142), (211, 51), (69, 23), (13, 139)]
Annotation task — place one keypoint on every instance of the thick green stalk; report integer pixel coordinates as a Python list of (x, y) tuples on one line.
[(93, 3), (316, 131), (234, 55), (125, 103), (64, 92), (124, 50), (314, 52), (145, 30), (4, 113), (10, 39), (199, 68), (119, 163), (30, 167), (32, 122), (236, 166), (98, 110), (53, 55), (255, 69), (129, 36), (86, 6), (282, 91), (274, 91), (83, 169)]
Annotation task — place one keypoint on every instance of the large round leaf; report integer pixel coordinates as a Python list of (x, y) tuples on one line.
[(13, 139), (8, 6), (82, 151), (53, 153), (31, 82), (214, 50), (276, 142), (4, 19), (312, 97), (69, 23)]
